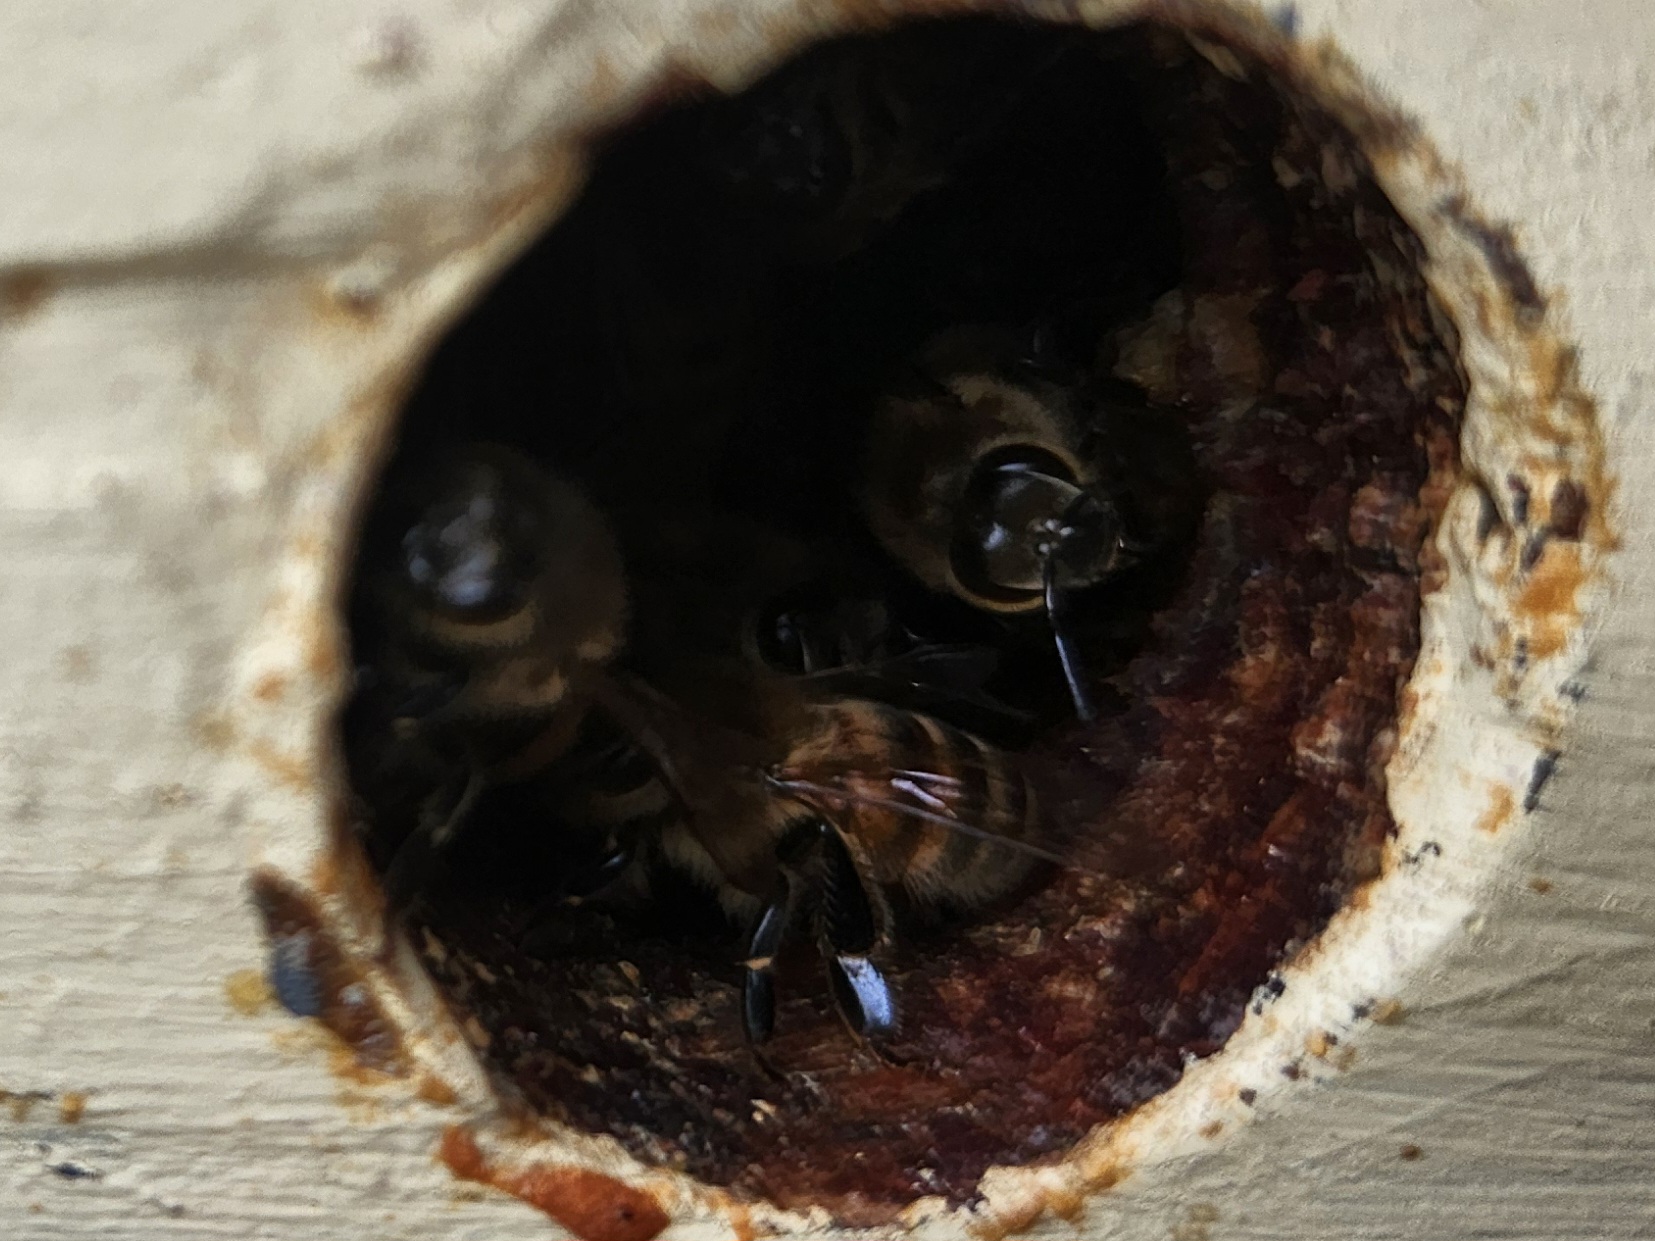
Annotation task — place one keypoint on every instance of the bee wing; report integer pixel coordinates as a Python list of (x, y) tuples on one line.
[(1075, 830), (933, 675), (957, 667), (960, 667), (991, 801), (897, 797)]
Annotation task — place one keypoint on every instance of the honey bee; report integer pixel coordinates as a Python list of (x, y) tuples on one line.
[(727, 591), (873, 798), (502, 599), (786, 798), (982, 483), (494, 600), (807, 812)]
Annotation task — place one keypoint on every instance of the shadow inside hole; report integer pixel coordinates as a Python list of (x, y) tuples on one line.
[(1212, 255)]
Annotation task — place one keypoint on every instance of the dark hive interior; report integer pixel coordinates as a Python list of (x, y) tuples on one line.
[(1182, 235)]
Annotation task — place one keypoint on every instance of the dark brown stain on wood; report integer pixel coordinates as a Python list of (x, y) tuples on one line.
[(590, 1205)]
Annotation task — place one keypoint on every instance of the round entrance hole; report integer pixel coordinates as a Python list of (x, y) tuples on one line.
[(702, 345)]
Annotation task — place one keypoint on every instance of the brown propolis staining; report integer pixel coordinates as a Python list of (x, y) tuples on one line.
[(435, 1091), (590, 1205), (23, 291), (310, 976), (1501, 809), (270, 687), (1108, 1176), (1552, 568), (463, 1157), (1549, 598), (1570, 508), (71, 1106), (1008, 1222), (355, 300), (248, 992), (1387, 1012), (1066, 1204), (1197, 1223), (20, 1105), (296, 773)]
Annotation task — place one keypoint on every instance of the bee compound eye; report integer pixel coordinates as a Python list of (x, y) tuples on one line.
[(457, 564), (473, 550), (1013, 520)]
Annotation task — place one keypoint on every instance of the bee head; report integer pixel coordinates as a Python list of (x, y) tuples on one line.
[(473, 548)]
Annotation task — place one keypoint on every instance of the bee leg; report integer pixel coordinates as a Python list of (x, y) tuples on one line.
[(862, 996), (758, 988), (582, 885), (600, 876), (419, 858), (850, 927)]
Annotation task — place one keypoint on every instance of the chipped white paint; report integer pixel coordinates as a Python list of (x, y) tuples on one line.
[(199, 201)]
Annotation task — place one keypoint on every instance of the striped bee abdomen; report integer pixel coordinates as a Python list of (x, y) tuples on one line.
[(927, 807)]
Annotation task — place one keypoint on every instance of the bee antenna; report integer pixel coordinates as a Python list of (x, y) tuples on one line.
[(1063, 636), (830, 794)]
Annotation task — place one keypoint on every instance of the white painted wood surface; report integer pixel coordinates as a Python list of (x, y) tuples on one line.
[(191, 189)]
